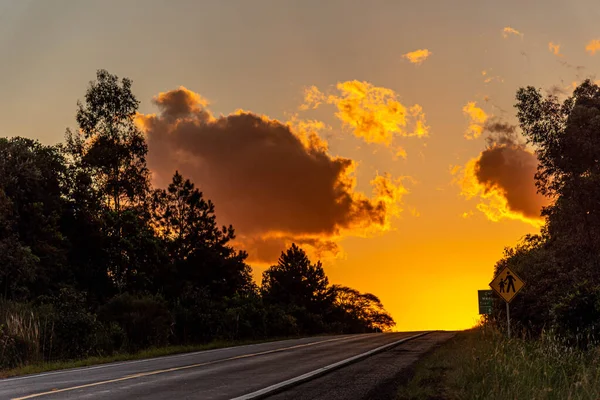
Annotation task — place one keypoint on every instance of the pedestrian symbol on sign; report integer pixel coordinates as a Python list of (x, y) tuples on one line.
[(511, 282)]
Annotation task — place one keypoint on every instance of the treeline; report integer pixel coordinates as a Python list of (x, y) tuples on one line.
[(94, 260), (561, 265)]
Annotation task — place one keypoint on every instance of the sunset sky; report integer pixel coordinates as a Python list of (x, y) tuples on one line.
[(363, 130)]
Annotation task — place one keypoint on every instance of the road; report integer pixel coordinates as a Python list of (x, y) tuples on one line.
[(214, 374), (374, 378)]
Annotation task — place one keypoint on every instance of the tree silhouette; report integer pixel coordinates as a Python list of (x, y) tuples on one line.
[(296, 281), (111, 150), (101, 262), (562, 265), (199, 251)]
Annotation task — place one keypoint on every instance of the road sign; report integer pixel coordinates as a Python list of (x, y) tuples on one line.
[(485, 301), (507, 284)]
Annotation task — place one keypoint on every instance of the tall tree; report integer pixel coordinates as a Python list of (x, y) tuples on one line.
[(563, 263), (109, 144), (111, 150), (198, 248), (295, 281), (567, 140)]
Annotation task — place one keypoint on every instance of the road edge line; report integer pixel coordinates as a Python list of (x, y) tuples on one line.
[(281, 386)]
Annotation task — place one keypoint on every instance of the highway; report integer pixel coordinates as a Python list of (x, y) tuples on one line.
[(242, 373)]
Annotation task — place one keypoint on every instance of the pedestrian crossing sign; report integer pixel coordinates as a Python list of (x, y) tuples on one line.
[(507, 284)]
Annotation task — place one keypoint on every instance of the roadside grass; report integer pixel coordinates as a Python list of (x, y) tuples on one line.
[(483, 364), (147, 353)]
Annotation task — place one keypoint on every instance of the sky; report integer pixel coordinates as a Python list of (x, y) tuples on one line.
[(379, 135)]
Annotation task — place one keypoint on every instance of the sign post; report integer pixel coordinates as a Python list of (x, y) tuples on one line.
[(507, 284)]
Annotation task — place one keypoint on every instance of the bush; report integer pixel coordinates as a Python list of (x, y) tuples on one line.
[(19, 338), (69, 330), (137, 322), (244, 318), (280, 323)]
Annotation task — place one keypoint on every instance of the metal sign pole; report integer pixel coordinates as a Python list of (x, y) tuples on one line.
[(508, 318)]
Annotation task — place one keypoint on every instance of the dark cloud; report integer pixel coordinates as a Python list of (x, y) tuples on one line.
[(508, 166), (498, 127), (263, 177), (268, 249)]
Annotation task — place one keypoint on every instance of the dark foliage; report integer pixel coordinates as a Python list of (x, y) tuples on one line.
[(562, 265), (93, 260)]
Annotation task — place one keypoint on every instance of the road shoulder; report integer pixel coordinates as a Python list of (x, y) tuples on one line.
[(376, 377)]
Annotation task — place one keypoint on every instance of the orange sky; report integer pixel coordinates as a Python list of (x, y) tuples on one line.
[(393, 101)]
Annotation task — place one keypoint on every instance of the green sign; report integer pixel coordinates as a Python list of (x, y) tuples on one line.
[(485, 301)]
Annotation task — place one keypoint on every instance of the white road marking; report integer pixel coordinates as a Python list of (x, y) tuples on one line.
[(143, 374)]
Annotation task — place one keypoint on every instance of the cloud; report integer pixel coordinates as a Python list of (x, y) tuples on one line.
[(487, 78), (507, 31), (593, 46), (505, 131), (274, 181), (266, 250), (313, 98), (373, 113), (417, 56), (502, 178), (554, 49), (420, 125), (477, 118)]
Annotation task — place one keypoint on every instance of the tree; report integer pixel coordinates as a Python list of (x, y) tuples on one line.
[(109, 144), (17, 263), (199, 251), (298, 286), (562, 265), (110, 150), (361, 312), (566, 137), (32, 183)]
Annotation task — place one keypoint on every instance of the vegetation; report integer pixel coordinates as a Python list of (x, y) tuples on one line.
[(483, 364), (95, 262), (557, 314), (561, 265)]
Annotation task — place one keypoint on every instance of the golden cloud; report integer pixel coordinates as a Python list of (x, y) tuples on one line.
[(554, 49), (313, 98), (420, 125), (274, 181), (373, 113), (593, 46), (507, 31), (417, 56), (477, 119)]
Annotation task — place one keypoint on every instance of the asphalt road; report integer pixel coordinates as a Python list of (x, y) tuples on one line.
[(215, 374), (374, 378)]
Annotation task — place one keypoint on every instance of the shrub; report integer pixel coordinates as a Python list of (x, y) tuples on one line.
[(142, 321), (19, 338)]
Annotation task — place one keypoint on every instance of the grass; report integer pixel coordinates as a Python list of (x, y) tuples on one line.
[(148, 353), (482, 364)]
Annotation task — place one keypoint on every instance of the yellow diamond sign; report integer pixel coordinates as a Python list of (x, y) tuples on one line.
[(507, 284)]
